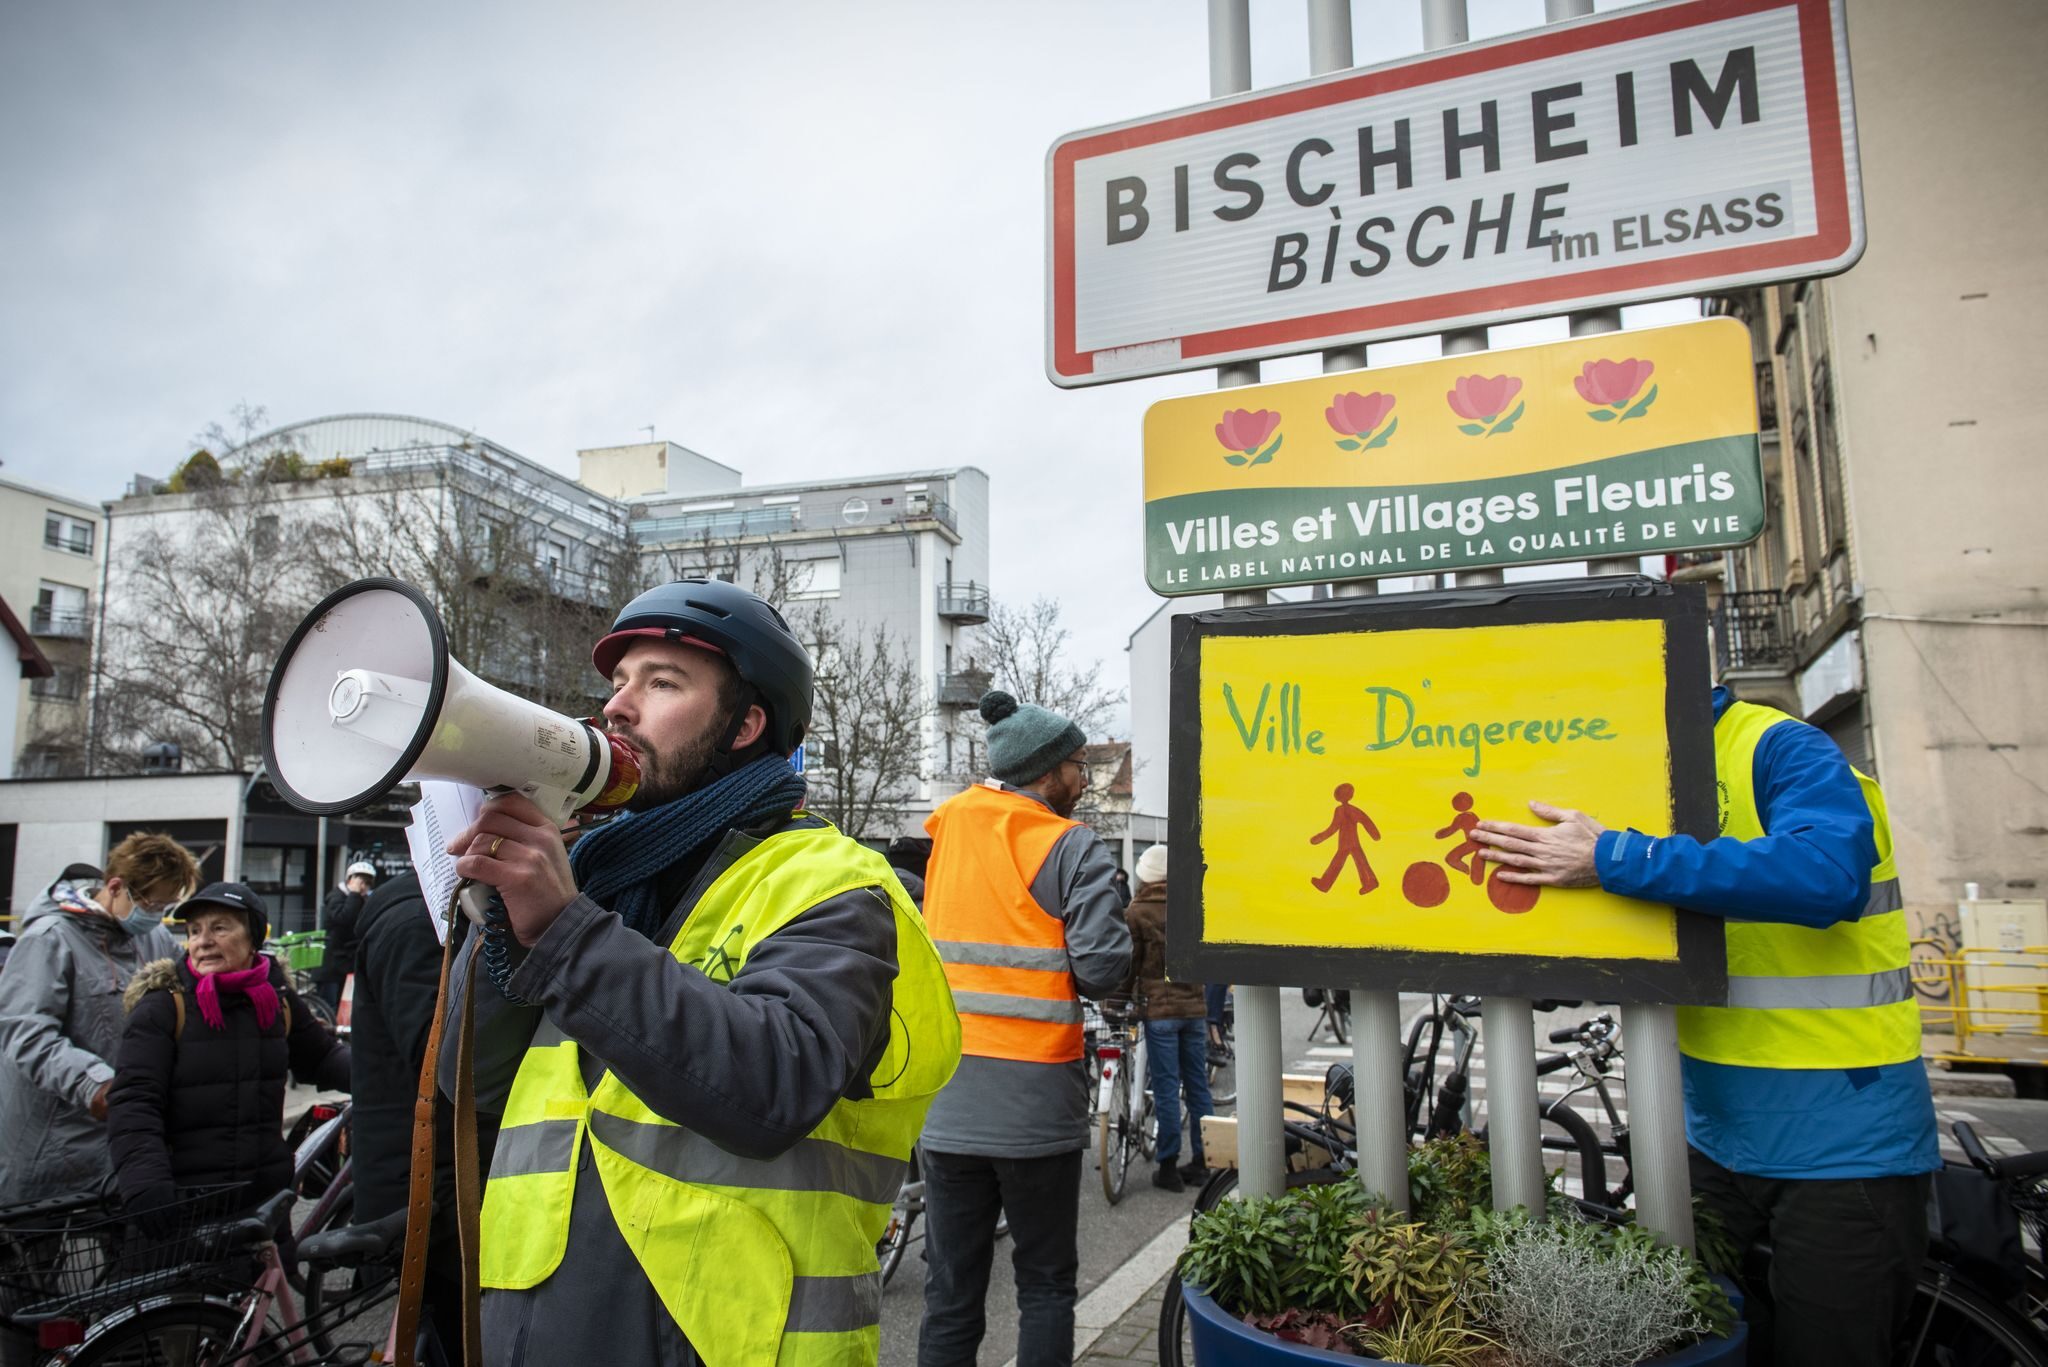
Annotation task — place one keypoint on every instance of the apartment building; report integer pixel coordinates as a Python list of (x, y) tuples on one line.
[(899, 558), (1899, 596), (529, 566), (50, 558)]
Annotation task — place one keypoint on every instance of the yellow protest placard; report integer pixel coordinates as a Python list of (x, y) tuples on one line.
[(1341, 772)]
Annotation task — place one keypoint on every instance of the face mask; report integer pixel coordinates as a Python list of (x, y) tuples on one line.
[(140, 922)]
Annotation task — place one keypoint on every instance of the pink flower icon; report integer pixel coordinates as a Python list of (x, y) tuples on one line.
[(1612, 385), (1243, 432), (1483, 403), (1355, 417)]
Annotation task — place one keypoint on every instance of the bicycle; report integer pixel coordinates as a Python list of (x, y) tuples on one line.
[(230, 1301), (1223, 1055), (1334, 1007), (1124, 1119)]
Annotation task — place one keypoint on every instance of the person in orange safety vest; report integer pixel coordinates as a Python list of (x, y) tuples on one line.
[(1022, 902)]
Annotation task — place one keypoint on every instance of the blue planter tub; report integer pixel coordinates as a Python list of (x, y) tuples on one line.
[(1221, 1339)]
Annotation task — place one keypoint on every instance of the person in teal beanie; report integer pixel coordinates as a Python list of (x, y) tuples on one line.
[(1021, 899), (1025, 741)]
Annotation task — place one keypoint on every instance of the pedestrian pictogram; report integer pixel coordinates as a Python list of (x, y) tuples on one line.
[(1345, 823)]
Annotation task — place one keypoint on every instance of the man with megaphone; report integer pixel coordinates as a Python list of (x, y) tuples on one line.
[(711, 1032)]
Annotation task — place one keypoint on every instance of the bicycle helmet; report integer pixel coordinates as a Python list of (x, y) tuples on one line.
[(713, 615)]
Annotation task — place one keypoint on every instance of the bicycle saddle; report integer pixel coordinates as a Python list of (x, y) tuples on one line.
[(353, 1244)]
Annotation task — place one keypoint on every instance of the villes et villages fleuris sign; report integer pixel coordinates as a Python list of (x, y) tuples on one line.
[(1635, 443)]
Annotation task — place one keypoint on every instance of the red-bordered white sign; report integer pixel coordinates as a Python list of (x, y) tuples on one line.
[(1663, 150)]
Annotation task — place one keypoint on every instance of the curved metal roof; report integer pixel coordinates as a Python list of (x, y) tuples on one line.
[(359, 434)]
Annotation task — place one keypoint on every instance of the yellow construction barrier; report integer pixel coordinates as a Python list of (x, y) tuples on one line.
[(1982, 1005)]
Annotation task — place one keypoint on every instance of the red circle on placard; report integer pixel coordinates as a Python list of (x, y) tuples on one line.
[(1512, 898), (1426, 885)]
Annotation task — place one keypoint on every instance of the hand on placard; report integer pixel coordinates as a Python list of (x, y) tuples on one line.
[(515, 848), (1558, 855)]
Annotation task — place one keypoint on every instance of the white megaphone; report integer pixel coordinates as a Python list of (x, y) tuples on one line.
[(364, 697)]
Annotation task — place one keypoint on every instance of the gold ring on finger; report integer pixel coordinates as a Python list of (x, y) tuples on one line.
[(494, 846)]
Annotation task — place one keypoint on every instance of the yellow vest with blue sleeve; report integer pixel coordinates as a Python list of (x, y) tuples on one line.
[(1798, 997), (759, 1260)]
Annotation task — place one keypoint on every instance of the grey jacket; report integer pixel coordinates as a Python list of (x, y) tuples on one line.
[(60, 1026), (753, 1065), (1006, 1108)]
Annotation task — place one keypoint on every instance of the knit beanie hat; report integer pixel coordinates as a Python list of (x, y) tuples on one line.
[(1025, 742), (1152, 865)]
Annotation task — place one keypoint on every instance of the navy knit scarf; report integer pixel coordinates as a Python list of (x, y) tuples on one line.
[(617, 865)]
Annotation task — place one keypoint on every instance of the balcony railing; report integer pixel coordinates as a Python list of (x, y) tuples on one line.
[(1753, 630), (938, 510), (75, 623), (963, 688), (966, 603), (57, 541), (725, 525), (63, 686)]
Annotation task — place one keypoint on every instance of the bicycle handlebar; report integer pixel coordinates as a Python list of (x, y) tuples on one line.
[(1564, 1036), (2003, 1166)]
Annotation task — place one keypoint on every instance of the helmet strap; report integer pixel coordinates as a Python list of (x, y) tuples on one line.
[(723, 758)]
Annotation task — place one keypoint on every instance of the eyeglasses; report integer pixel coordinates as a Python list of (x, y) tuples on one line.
[(1082, 765)]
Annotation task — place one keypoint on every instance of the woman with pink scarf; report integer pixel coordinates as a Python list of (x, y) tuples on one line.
[(198, 1095)]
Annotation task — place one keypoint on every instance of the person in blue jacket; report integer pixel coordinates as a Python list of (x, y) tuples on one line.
[(1806, 1104)]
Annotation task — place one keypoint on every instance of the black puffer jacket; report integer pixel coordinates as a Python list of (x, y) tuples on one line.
[(198, 1106)]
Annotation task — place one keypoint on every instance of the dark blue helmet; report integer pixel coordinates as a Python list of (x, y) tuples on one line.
[(746, 629)]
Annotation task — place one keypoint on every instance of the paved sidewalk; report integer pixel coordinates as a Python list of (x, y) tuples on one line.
[(1133, 1340)]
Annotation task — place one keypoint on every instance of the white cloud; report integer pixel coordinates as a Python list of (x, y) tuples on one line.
[(802, 238)]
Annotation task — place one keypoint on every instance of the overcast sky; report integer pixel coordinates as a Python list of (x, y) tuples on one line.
[(805, 239)]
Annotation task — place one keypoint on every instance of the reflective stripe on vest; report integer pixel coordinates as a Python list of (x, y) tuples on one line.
[(759, 1260), (1006, 958), (1801, 997)]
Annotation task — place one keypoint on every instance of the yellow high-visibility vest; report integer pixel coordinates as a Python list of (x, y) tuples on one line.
[(759, 1260), (1798, 997)]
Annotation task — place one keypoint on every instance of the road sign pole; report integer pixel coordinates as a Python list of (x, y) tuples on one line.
[(1656, 1101), (1261, 1148), (1377, 1102)]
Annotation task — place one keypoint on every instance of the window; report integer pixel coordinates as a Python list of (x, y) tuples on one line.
[(263, 536), (815, 579), (62, 532), (1828, 456), (63, 686), (59, 610)]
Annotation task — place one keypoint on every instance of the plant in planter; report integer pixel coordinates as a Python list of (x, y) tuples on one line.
[(1335, 1271), (1563, 1293)]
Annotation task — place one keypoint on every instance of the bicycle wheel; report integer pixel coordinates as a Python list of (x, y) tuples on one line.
[(902, 1215), (1954, 1325), (184, 1333), (322, 1288), (1222, 1076), (322, 1012), (1579, 1140), (1115, 1145)]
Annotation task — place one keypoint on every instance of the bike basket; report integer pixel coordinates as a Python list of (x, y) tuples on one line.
[(68, 1267), (2030, 1198)]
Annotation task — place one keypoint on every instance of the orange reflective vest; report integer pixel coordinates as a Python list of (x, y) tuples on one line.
[(1006, 959)]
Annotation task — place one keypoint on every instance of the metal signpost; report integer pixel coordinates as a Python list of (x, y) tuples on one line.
[(1655, 151), (1667, 149)]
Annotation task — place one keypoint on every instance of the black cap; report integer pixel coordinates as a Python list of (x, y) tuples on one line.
[(234, 897)]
